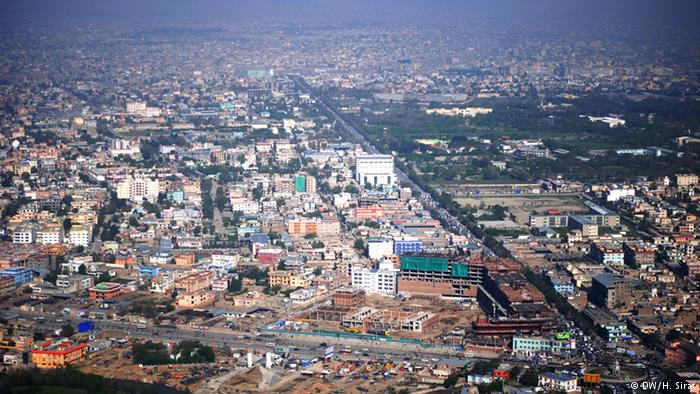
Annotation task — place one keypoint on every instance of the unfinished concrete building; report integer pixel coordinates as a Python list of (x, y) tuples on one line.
[(440, 276), (380, 321)]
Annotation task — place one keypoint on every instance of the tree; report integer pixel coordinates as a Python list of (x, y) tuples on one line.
[(206, 353), (450, 381), (271, 290), (133, 222), (104, 277), (220, 198), (318, 271), (51, 277), (82, 270), (150, 353), (529, 378), (359, 245), (235, 286), (67, 330), (280, 265)]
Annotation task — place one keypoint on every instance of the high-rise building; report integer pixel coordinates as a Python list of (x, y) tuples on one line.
[(375, 170), (311, 184)]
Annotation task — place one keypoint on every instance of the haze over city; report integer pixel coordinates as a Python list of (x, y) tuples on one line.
[(349, 196)]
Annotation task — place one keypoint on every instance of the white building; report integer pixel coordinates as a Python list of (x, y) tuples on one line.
[(163, 282), (617, 194), (219, 285), (138, 188), (51, 234), (74, 283), (73, 265), (125, 147), (245, 206), (611, 121), (80, 235), (375, 170), (377, 248), (25, 233), (133, 107), (223, 262), (558, 381), (382, 280), (301, 295)]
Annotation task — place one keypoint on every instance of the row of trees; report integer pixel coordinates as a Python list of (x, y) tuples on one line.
[(186, 352), (29, 380)]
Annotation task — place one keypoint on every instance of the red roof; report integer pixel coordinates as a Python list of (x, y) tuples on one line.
[(60, 352)]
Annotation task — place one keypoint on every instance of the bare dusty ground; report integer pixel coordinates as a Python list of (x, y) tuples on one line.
[(522, 206)]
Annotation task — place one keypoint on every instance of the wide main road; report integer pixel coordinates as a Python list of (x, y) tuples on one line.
[(300, 346), (453, 223)]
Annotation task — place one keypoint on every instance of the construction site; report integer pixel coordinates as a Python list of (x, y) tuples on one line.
[(421, 317)]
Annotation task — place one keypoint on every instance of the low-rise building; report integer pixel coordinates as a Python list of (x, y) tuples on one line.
[(682, 354), (381, 280), (74, 283), (531, 346), (194, 282), (558, 381), (19, 275), (80, 235), (25, 233), (51, 355), (105, 291), (608, 254), (194, 299)]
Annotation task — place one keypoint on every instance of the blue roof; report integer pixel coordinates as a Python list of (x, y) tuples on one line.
[(259, 238), (558, 376)]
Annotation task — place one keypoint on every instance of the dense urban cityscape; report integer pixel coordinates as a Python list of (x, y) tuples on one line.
[(349, 201)]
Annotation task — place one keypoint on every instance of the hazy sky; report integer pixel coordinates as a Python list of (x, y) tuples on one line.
[(422, 11)]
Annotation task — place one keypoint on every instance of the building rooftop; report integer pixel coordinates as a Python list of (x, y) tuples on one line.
[(607, 280)]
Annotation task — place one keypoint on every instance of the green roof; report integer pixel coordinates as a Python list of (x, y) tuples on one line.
[(300, 184), (102, 287), (413, 263)]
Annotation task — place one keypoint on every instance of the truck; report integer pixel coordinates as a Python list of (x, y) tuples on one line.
[(283, 350), (86, 326)]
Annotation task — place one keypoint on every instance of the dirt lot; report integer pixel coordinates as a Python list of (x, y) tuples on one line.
[(117, 363), (522, 206)]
